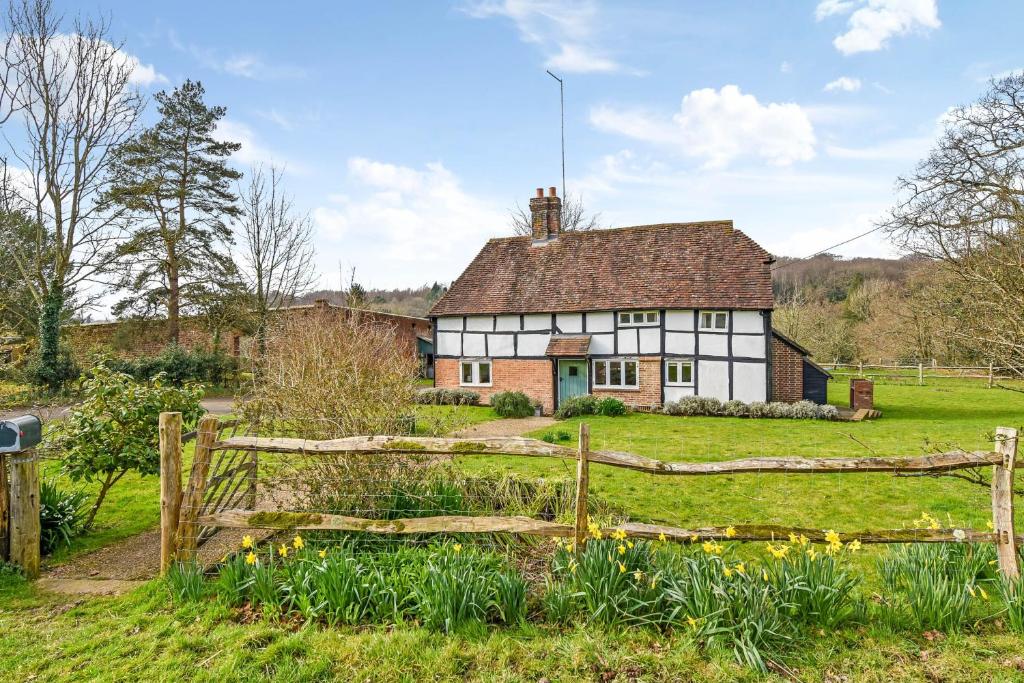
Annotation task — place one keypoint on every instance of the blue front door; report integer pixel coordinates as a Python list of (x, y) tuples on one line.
[(572, 379)]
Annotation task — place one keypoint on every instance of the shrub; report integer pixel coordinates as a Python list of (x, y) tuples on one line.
[(438, 396), (114, 430), (62, 516), (576, 407), (179, 366), (705, 406), (735, 408), (555, 436), (611, 407), (512, 404), (55, 376)]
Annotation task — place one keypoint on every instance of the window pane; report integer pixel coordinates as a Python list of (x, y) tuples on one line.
[(630, 373), (652, 317), (485, 373), (686, 370), (615, 374), (721, 321), (705, 321), (467, 373), (673, 373), (624, 318), (638, 317), (600, 372)]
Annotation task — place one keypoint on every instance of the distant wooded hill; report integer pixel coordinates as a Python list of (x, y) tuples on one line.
[(415, 302)]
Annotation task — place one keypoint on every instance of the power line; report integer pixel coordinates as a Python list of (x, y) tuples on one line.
[(828, 249)]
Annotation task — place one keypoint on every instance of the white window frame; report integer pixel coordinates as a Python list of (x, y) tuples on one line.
[(714, 319), (475, 372), (645, 318), (679, 373), (621, 362)]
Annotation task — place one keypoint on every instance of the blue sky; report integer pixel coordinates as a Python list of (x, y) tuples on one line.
[(409, 129)]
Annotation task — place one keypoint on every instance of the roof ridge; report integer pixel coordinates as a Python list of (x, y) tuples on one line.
[(621, 228)]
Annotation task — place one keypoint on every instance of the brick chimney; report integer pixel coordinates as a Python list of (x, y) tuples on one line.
[(546, 214)]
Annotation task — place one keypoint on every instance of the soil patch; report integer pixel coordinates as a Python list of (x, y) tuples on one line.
[(507, 427)]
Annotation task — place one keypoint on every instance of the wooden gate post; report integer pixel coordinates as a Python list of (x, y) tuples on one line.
[(920, 374), (170, 486), (4, 511), (582, 486), (24, 514), (991, 378), (1002, 503), (188, 528)]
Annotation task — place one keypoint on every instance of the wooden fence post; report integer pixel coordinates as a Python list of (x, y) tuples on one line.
[(991, 378), (1002, 502), (582, 486), (170, 486), (24, 514), (4, 511), (920, 374), (192, 501)]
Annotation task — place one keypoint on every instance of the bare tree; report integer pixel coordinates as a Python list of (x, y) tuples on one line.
[(963, 207), (575, 217), (72, 89), (276, 262)]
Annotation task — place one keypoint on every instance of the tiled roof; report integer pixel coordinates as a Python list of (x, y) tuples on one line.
[(568, 345), (676, 265)]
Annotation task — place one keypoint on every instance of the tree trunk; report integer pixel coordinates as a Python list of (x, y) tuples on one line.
[(173, 303), (49, 337), (105, 487)]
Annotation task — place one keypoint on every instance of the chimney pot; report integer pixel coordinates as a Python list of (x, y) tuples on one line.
[(546, 216), (552, 191), (540, 192)]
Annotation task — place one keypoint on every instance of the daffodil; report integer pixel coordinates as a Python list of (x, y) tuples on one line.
[(457, 547), (322, 553), (741, 568), (727, 572), (984, 595), (250, 558), (638, 575), (283, 550), (629, 544), (692, 622), (622, 568), (793, 538), (247, 541), (812, 553), (988, 523), (619, 534), (764, 575), (853, 546), (622, 550), (970, 589), (661, 537), (569, 547), (298, 543), (693, 538), (730, 531), (572, 566), (712, 548), (777, 551)]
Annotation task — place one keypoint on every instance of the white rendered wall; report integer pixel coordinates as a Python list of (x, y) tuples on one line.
[(749, 382)]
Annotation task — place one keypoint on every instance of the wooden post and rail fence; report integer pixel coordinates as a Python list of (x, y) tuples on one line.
[(924, 371), (180, 520)]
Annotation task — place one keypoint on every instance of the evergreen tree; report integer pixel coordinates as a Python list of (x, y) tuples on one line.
[(175, 184)]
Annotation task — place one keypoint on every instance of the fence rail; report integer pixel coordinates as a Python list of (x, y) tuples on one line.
[(1002, 460), (991, 373)]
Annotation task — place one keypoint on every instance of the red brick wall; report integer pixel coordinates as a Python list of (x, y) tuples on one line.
[(532, 377), (787, 372), (649, 393)]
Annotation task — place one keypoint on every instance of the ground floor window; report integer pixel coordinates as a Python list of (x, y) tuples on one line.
[(616, 374), (475, 373), (679, 372)]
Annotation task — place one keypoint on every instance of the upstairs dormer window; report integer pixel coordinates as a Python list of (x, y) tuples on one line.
[(714, 321), (638, 318)]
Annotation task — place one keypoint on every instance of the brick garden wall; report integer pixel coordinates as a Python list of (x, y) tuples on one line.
[(787, 372)]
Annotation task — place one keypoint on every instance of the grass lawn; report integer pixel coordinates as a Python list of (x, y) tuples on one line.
[(143, 636)]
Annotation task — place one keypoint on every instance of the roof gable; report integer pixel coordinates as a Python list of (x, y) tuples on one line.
[(676, 265)]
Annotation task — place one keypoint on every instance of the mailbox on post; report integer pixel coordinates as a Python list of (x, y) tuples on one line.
[(20, 433)]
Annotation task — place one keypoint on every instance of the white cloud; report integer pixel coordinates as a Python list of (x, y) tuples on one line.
[(567, 31), (874, 22), (902, 149), (412, 225), (844, 83), (718, 127), (785, 68), (253, 151), (142, 75), (243, 65)]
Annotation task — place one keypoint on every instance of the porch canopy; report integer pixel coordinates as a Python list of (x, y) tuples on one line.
[(568, 346)]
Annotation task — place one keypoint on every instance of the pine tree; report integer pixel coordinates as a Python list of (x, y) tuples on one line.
[(174, 182)]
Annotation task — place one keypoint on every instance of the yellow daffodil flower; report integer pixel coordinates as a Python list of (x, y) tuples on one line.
[(812, 553), (777, 551), (693, 538), (457, 547), (569, 547), (622, 568), (661, 537), (250, 558), (638, 575), (853, 546), (727, 572), (622, 550), (619, 534), (692, 622), (322, 553), (629, 544), (984, 595), (298, 543), (730, 531), (741, 568), (283, 550), (970, 589), (247, 541)]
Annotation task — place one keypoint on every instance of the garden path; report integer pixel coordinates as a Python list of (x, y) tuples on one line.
[(507, 427)]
